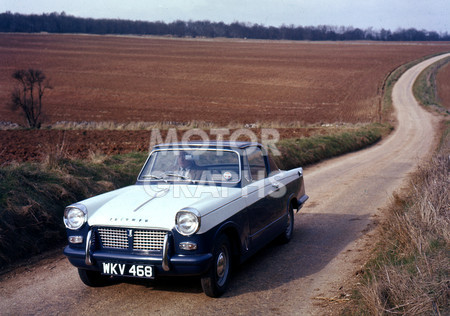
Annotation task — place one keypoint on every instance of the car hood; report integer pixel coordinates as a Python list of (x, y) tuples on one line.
[(155, 206)]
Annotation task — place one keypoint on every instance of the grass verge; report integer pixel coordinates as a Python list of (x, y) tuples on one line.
[(306, 151), (425, 88)]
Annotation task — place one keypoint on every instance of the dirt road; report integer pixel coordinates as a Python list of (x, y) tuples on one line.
[(332, 234)]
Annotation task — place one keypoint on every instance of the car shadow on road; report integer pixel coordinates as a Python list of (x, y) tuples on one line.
[(318, 239)]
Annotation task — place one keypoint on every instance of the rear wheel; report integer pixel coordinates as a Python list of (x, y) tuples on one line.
[(215, 281), (286, 236), (93, 278)]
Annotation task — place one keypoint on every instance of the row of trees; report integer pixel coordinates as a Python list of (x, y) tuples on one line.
[(63, 23)]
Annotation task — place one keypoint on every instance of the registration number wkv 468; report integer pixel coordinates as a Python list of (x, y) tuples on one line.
[(123, 269)]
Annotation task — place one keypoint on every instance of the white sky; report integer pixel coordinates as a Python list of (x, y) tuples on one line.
[(431, 15)]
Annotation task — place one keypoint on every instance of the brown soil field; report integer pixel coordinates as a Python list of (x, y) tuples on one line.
[(223, 82), (443, 86), (123, 79)]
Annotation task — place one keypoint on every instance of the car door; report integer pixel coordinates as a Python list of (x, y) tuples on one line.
[(264, 207)]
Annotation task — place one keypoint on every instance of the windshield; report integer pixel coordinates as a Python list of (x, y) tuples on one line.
[(192, 165)]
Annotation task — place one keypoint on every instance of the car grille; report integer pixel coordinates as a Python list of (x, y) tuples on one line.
[(113, 238), (148, 240), (118, 238)]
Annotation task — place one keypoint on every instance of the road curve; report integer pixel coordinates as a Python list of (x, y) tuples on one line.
[(331, 233)]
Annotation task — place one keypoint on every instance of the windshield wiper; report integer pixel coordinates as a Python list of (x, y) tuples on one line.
[(177, 175), (152, 176)]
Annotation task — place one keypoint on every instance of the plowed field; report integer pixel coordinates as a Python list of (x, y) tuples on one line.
[(129, 79), (100, 78)]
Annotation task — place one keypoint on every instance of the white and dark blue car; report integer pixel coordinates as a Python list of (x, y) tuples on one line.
[(196, 209)]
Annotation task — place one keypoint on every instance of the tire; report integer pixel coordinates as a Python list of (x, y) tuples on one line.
[(215, 281), (93, 278), (286, 236)]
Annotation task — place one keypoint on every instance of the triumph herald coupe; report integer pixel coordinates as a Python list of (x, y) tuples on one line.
[(197, 209)]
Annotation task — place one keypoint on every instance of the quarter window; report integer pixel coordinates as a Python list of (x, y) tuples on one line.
[(273, 167), (257, 163)]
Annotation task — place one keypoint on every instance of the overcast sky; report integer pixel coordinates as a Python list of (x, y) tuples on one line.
[(431, 15)]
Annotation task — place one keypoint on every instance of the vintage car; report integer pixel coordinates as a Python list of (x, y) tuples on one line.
[(197, 209)]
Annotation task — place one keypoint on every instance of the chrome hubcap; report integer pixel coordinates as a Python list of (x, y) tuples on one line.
[(222, 267)]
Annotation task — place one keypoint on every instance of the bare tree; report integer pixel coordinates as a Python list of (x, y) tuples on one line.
[(27, 96)]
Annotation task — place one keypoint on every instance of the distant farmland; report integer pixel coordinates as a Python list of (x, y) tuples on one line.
[(112, 80), (129, 79)]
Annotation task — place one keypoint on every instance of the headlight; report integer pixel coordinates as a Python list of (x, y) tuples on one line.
[(187, 222), (75, 216)]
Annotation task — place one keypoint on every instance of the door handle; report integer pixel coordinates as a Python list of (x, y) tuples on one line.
[(276, 185)]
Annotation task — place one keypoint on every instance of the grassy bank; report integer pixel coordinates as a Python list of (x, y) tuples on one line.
[(425, 88), (306, 151), (33, 197)]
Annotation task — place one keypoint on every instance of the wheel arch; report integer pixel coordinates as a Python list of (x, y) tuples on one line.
[(292, 201), (231, 230)]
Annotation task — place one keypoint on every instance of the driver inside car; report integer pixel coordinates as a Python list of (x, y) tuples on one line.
[(187, 166)]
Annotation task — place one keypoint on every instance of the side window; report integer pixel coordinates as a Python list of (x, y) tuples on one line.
[(257, 164)]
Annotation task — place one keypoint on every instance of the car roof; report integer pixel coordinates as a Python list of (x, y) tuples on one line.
[(213, 144)]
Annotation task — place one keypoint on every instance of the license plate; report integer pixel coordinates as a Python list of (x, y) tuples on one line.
[(126, 269)]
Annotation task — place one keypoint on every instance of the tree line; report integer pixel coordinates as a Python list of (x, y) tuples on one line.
[(63, 23)]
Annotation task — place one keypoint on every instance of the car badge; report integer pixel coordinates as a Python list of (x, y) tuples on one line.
[(130, 233)]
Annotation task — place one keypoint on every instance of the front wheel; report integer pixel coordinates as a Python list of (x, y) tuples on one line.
[(93, 278), (215, 281)]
